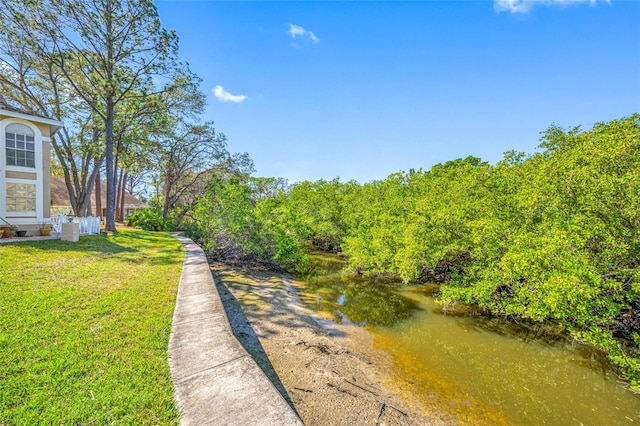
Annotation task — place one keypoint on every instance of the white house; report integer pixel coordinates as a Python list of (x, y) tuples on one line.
[(25, 166)]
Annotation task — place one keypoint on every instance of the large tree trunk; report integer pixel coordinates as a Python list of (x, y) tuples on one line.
[(111, 178), (98, 190), (122, 191), (86, 211), (167, 200), (109, 118), (119, 197), (79, 178)]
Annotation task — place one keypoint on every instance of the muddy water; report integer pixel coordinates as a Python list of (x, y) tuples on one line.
[(480, 370)]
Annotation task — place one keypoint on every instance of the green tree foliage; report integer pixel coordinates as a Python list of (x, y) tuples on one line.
[(413, 224), (106, 53), (316, 212), (571, 249), (149, 220), (553, 236), (235, 224)]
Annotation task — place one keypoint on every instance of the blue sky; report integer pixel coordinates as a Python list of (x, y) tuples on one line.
[(360, 90)]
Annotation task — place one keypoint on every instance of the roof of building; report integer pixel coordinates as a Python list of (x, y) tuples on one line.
[(7, 109), (60, 196)]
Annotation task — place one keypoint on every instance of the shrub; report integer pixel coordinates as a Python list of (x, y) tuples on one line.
[(149, 220)]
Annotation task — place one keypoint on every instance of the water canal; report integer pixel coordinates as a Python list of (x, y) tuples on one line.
[(481, 370)]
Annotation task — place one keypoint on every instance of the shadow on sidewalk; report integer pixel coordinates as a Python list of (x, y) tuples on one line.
[(245, 334)]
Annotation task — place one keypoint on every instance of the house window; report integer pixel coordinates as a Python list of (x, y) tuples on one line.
[(20, 146), (21, 197)]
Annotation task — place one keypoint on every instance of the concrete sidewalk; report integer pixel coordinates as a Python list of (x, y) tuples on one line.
[(216, 380)]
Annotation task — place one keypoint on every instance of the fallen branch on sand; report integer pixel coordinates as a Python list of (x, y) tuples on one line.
[(360, 387), (339, 389)]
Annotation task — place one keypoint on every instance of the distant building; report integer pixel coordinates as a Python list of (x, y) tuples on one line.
[(60, 202)]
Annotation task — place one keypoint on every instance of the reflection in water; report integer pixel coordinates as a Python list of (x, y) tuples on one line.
[(484, 370), (355, 299)]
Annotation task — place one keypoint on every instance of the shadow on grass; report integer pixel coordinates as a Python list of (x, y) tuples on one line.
[(127, 245), (122, 242), (90, 243)]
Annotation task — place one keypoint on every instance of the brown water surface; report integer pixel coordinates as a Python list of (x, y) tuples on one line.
[(482, 370)]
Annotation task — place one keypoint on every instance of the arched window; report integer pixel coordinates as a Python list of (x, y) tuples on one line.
[(20, 146)]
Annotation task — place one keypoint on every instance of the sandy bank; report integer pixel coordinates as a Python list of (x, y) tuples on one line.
[(330, 376)]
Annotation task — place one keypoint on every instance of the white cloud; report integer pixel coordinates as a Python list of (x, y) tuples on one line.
[(524, 6), (224, 96), (298, 31), (513, 6)]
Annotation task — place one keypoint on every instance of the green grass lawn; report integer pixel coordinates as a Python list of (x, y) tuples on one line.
[(84, 330)]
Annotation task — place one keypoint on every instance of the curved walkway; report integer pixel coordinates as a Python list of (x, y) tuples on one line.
[(216, 380)]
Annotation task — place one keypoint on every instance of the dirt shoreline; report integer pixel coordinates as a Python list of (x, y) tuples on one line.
[(320, 369)]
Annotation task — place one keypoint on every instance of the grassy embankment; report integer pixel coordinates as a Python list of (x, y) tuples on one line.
[(84, 330)]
